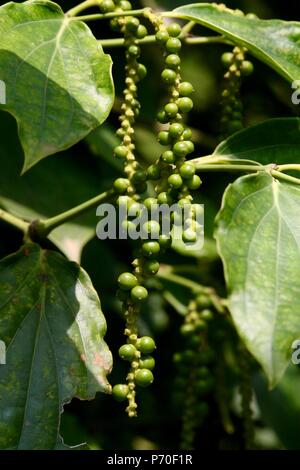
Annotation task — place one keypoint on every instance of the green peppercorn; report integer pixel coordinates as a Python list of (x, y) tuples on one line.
[(107, 6), (162, 116), (139, 176), (168, 157), (187, 170), (150, 202), (153, 172), (168, 76), (151, 267), (151, 227), (187, 134), (175, 130), (189, 236), (187, 329), (175, 181), (163, 138), (194, 182), (174, 29), (146, 345), (120, 392), (125, 5), (139, 294), (190, 145), (141, 32), (134, 50), (127, 352), (150, 249), (203, 301), (121, 185), (132, 24), (165, 241), (207, 314), (147, 362), (181, 149), (127, 281), (164, 198), (162, 36), (246, 68), (185, 104), (171, 109), (227, 59), (172, 60), (121, 151), (173, 45), (234, 126), (143, 377), (185, 89), (142, 71)]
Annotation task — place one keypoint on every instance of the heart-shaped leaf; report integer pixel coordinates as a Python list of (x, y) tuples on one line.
[(258, 237), (53, 327), (58, 79), (272, 141), (275, 42)]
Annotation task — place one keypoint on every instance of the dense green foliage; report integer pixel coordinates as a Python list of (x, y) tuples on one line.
[(206, 116)]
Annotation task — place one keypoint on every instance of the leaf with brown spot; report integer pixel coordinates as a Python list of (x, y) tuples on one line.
[(54, 322)]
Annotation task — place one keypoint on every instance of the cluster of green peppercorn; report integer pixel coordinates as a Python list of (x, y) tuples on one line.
[(236, 68), (194, 379)]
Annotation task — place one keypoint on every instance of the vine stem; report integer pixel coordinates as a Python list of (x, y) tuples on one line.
[(81, 7), (43, 227), (166, 273), (14, 221), (113, 14), (119, 42)]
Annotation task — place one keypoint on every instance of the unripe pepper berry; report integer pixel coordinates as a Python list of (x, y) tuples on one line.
[(127, 352), (146, 345), (127, 281), (150, 249), (173, 45), (175, 181), (174, 29), (185, 104), (185, 89), (187, 170), (168, 76), (120, 392), (144, 377), (139, 294), (172, 60), (147, 362)]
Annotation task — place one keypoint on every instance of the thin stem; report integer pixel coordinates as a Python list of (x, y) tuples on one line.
[(207, 40), (14, 221), (187, 28), (119, 42), (43, 227), (289, 167), (166, 273), (81, 7), (220, 167), (175, 303), (113, 14), (283, 177)]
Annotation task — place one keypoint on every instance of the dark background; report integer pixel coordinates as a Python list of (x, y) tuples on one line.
[(103, 423)]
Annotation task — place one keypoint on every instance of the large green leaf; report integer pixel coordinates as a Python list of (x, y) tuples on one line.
[(258, 237), (275, 42), (53, 186), (272, 141), (58, 80), (53, 327), (280, 408)]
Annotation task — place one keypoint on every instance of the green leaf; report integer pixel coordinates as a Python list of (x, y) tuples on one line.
[(53, 327), (280, 408), (53, 186), (258, 237), (274, 42), (272, 141), (58, 80)]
